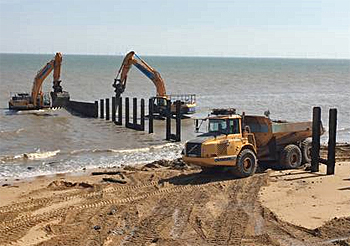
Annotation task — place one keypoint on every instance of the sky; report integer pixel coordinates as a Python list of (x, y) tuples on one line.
[(231, 28)]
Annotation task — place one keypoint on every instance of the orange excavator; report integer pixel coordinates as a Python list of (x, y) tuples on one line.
[(37, 99), (188, 101)]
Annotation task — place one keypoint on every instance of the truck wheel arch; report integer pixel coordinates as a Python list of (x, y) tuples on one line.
[(247, 146)]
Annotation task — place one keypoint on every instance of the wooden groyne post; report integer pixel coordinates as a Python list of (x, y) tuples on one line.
[(113, 109), (107, 109), (102, 113), (134, 112), (316, 130), (142, 123), (96, 109), (150, 115), (168, 135), (127, 123), (168, 120), (332, 139), (316, 134), (120, 111), (178, 121)]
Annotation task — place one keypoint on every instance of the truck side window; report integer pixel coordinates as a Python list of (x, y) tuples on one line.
[(234, 126)]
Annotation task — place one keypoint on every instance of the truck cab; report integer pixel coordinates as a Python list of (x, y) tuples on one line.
[(225, 144)]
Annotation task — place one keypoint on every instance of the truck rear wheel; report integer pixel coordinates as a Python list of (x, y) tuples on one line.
[(306, 151), (246, 164), (291, 157)]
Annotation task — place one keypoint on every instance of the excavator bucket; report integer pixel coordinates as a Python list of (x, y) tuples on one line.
[(60, 99)]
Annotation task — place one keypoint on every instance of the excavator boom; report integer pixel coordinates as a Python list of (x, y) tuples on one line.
[(132, 59), (54, 64)]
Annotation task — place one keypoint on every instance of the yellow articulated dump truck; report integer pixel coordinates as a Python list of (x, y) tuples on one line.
[(237, 143)]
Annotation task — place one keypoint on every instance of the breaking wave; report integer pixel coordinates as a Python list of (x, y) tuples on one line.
[(11, 132), (29, 156), (75, 160), (344, 129), (137, 150), (38, 155)]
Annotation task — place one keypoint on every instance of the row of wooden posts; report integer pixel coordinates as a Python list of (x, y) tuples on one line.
[(117, 115), (316, 134)]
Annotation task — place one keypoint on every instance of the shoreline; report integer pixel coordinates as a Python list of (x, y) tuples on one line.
[(341, 148), (169, 202)]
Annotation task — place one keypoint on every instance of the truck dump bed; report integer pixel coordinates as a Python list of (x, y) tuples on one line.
[(272, 136)]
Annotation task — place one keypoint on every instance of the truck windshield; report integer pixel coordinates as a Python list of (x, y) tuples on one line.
[(218, 126), (224, 126)]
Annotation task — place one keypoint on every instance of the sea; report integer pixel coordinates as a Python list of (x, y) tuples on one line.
[(47, 142)]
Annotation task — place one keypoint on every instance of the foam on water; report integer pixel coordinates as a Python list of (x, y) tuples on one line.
[(29, 156), (45, 163)]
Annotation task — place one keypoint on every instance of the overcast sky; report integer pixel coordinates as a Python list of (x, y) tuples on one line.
[(257, 28)]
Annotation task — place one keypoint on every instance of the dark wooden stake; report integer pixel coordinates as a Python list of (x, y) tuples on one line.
[(127, 123), (113, 109), (142, 128), (315, 150), (134, 112), (178, 121), (102, 107), (96, 109), (107, 109), (332, 141), (150, 115), (168, 120), (120, 111)]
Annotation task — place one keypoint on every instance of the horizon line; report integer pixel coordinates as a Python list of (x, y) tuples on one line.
[(187, 56)]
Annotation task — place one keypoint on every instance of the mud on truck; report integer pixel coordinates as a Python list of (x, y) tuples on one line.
[(237, 143)]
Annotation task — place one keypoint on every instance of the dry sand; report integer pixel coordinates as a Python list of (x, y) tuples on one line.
[(309, 199), (170, 203)]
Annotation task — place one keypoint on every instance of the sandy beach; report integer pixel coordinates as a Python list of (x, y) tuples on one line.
[(171, 203)]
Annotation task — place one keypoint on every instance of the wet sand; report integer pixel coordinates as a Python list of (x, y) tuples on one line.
[(170, 203)]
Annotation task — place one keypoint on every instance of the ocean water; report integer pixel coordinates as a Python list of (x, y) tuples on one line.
[(51, 141)]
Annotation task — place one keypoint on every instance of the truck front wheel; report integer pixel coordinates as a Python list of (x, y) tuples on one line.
[(246, 164), (291, 157)]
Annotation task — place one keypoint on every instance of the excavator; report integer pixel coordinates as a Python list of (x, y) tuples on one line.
[(188, 101), (37, 99)]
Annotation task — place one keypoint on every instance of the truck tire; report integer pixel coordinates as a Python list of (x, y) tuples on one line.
[(306, 151), (246, 164), (291, 157)]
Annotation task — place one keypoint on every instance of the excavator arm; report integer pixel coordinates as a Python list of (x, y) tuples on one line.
[(54, 64), (132, 59)]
